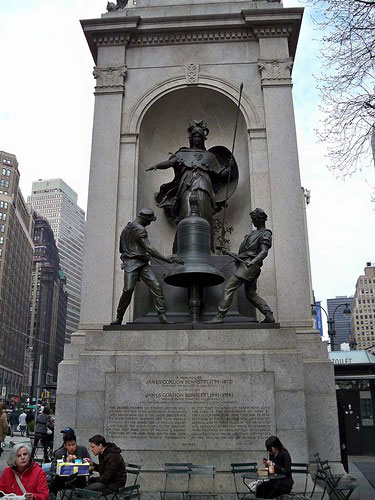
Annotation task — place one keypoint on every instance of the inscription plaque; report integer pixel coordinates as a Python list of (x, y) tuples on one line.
[(189, 412)]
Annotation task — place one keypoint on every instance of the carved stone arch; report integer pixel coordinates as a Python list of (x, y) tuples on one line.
[(160, 120), (250, 115)]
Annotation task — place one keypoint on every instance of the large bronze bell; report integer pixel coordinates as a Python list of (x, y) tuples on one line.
[(193, 248)]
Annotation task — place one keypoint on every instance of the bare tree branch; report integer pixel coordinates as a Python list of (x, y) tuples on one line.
[(348, 81)]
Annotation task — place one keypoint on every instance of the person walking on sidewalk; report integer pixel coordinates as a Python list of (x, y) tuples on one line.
[(13, 421), (43, 422), (29, 419), (3, 427), (22, 422)]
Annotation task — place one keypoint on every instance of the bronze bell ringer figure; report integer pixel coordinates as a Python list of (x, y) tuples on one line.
[(135, 250), (252, 252)]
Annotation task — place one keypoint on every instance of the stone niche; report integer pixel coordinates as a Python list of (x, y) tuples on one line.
[(164, 129)]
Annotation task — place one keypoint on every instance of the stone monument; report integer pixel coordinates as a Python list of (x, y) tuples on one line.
[(209, 393)]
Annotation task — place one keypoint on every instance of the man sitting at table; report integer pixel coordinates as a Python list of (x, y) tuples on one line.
[(111, 467), (68, 453)]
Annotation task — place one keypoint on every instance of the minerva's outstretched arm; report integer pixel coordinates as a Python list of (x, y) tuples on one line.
[(163, 165)]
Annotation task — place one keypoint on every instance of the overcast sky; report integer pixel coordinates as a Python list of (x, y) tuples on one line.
[(46, 110)]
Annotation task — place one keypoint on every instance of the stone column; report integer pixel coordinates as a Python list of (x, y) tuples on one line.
[(101, 252), (260, 197), (292, 280), (126, 207)]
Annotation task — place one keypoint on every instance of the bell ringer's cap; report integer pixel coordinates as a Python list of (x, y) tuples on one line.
[(68, 430), (147, 212), (260, 213)]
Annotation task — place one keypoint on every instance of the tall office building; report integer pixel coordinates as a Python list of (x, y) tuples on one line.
[(16, 259), (363, 317), (48, 306), (335, 308), (54, 200)]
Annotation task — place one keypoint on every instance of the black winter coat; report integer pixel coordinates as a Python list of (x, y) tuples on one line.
[(283, 465), (111, 468)]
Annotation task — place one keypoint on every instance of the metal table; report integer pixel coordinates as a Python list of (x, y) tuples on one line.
[(254, 476)]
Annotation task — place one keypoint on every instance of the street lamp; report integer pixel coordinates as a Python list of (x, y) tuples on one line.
[(331, 321)]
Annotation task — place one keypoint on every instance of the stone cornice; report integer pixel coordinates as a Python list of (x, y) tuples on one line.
[(272, 31), (178, 38), (232, 26)]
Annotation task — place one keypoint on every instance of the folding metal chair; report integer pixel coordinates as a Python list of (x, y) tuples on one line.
[(176, 479), (133, 470), (237, 470), (301, 468), (198, 473), (127, 492)]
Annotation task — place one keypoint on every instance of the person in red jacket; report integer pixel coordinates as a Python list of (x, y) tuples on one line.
[(23, 476)]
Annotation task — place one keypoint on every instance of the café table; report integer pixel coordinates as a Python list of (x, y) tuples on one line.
[(255, 477)]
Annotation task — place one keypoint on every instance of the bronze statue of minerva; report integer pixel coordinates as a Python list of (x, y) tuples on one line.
[(135, 250), (197, 171), (253, 250)]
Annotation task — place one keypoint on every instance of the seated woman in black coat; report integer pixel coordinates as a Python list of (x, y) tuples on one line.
[(283, 463)]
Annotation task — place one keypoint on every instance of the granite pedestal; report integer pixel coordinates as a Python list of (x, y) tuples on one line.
[(201, 396)]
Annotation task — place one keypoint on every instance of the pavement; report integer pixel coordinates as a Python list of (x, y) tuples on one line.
[(366, 491)]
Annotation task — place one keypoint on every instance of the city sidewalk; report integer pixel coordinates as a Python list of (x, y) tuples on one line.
[(366, 491)]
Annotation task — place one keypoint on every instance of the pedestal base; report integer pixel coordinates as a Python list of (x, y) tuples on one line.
[(202, 396)]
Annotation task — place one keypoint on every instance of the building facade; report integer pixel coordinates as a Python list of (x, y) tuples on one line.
[(54, 200), (48, 306), (16, 257), (363, 317), (335, 308)]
